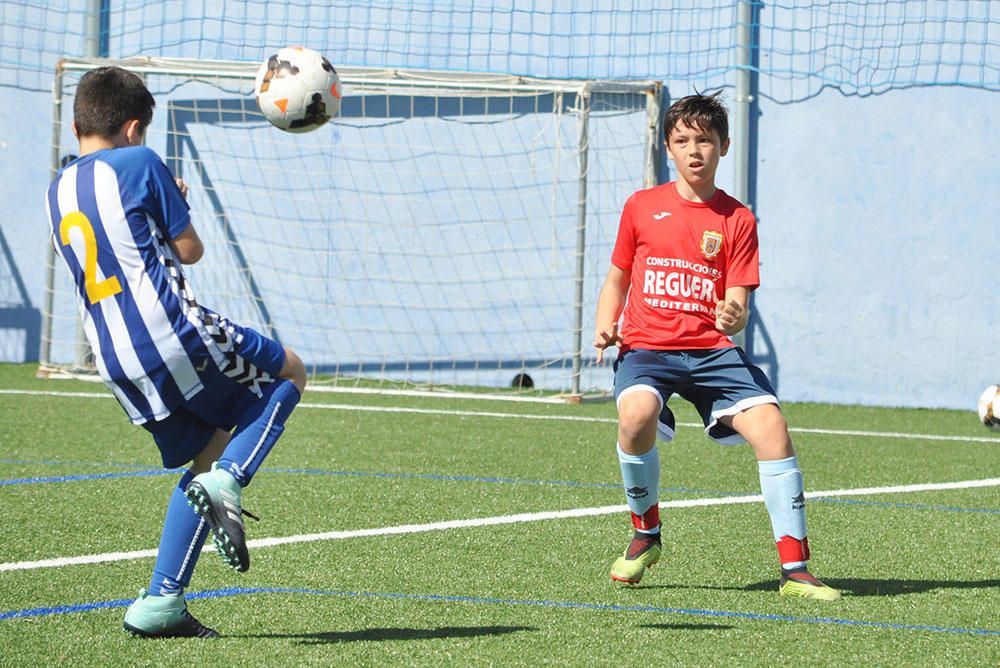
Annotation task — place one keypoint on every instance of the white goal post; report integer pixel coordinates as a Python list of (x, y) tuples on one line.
[(446, 229)]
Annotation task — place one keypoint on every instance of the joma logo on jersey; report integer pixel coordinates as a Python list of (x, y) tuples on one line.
[(711, 244)]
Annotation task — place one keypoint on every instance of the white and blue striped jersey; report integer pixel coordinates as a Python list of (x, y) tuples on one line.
[(112, 213)]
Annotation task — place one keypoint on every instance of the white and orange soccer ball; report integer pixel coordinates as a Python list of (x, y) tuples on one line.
[(297, 89), (989, 407)]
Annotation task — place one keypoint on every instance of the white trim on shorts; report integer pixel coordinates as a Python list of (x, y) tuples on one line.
[(665, 433), (738, 407)]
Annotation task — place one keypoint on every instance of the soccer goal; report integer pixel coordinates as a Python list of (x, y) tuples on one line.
[(446, 229)]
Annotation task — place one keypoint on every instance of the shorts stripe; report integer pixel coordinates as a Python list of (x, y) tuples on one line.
[(639, 388), (738, 407), (195, 543), (664, 431), (263, 437)]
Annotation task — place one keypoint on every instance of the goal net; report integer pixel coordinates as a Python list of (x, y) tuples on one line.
[(446, 229)]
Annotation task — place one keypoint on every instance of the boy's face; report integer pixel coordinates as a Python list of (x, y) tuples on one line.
[(696, 152)]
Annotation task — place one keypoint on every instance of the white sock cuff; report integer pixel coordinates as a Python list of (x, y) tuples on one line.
[(778, 466), (626, 458)]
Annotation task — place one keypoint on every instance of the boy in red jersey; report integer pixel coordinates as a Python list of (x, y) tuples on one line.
[(686, 258)]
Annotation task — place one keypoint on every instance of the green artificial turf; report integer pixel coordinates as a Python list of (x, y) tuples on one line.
[(918, 569)]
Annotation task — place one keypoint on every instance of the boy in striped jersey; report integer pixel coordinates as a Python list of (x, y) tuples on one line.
[(210, 392)]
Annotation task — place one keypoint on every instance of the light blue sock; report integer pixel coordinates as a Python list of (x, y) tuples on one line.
[(784, 496), (183, 535), (258, 430), (641, 478)]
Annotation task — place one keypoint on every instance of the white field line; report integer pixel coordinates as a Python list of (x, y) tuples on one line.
[(438, 394), (567, 418), (497, 521), (347, 389)]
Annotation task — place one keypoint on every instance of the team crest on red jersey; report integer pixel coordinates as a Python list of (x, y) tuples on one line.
[(711, 244)]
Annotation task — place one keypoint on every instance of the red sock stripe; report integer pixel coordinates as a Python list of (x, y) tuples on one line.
[(792, 549), (648, 520)]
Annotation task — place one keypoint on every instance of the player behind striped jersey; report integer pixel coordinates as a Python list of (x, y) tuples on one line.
[(210, 392), (682, 270)]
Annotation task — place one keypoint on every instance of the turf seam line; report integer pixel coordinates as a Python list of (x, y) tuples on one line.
[(497, 521)]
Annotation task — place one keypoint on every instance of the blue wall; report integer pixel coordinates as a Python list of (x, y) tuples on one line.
[(880, 259), (24, 161), (878, 212)]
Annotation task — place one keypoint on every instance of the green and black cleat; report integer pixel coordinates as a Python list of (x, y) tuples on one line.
[(215, 495), (164, 617)]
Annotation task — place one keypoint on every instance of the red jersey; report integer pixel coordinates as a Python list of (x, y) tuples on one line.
[(682, 256)]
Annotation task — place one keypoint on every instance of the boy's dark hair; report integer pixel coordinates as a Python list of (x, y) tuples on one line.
[(108, 97), (705, 112)]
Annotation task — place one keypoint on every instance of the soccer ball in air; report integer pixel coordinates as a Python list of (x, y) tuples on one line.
[(297, 89), (989, 407)]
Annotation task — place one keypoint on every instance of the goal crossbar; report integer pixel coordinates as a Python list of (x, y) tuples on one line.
[(506, 84), (562, 198)]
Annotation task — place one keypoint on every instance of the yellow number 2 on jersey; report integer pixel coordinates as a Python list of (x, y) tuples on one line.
[(96, 291)]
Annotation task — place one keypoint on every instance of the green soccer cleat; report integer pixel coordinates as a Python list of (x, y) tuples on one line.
[(801, 583), (215, 495), (642, 553), (163, 617)]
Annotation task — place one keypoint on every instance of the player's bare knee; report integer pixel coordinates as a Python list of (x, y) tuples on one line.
[(764, 422), (636, 419), (631, 430), (201, 464), (211, 452), (766, 429), (294, 370), (772, 421)]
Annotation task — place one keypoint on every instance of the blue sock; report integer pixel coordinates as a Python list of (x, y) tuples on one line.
[(641, 477), (184, 534), (782, 486), (258, 430)]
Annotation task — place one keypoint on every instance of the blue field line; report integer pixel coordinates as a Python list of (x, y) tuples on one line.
[(447, 478), (136, 471), (91, 476), (495, 480), (441, 598), (65, 609), (72, 462), (455, 478), (326, 472), (907, 506)]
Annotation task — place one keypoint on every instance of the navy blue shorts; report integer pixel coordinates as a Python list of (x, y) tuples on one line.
[(718, 382), (251, 369)]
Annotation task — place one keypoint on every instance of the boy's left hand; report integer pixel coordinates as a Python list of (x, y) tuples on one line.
[(729, 316), (606, 338), (183, 186)]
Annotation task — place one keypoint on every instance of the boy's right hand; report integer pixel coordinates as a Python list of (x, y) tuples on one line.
[(605, 338)]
